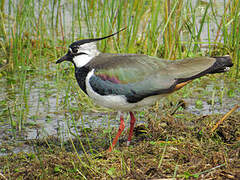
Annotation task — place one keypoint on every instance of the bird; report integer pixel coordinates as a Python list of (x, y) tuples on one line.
[(125, 82)]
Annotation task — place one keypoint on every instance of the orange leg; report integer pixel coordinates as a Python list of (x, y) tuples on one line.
[(120, 130), (132, 122)]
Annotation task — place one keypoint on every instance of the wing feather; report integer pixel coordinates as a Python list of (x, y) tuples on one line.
[(139, 76)]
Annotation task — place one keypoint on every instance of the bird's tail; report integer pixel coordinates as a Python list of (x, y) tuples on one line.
[(222, 64)]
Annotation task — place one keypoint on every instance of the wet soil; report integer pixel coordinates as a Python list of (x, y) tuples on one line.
[(180, 146)]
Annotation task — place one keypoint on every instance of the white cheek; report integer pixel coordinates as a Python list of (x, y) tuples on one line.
[(81, 60)]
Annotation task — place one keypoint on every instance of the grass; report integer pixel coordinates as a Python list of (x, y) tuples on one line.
[(191, 152), (35, 90)]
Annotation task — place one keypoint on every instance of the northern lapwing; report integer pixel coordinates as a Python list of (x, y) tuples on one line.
[(125, 82)]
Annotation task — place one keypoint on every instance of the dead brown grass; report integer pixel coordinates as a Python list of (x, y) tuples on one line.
[(169, 147)]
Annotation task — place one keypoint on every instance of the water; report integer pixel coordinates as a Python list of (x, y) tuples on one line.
[(47, 108), (68, 20), (45, 115)]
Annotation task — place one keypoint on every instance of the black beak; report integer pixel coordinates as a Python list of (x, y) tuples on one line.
[(64, 58)]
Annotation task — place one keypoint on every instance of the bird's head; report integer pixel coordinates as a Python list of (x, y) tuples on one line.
[(81, 52)]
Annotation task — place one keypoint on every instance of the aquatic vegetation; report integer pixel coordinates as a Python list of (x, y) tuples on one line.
[(43, 112)]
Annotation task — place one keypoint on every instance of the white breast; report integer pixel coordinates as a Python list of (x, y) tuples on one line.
[(117, 102)]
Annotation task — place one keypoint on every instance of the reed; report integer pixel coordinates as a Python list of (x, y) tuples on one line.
[(170, 29), (34, 34)]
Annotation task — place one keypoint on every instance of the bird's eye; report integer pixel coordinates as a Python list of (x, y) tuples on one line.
[(75, 50)]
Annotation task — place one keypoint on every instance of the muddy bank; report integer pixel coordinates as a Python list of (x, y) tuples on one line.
[(167, 148)]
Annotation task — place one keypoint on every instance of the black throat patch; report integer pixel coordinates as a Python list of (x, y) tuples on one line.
[(81, 74)]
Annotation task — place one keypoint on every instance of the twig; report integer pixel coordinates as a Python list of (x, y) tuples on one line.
[(180, 104), (209, 170), (225, 117), (1, 175)]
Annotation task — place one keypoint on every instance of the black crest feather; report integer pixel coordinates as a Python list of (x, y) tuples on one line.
[(83, 41)]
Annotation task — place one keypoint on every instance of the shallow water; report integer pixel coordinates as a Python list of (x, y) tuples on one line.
[(44, 115), (45, 108)]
